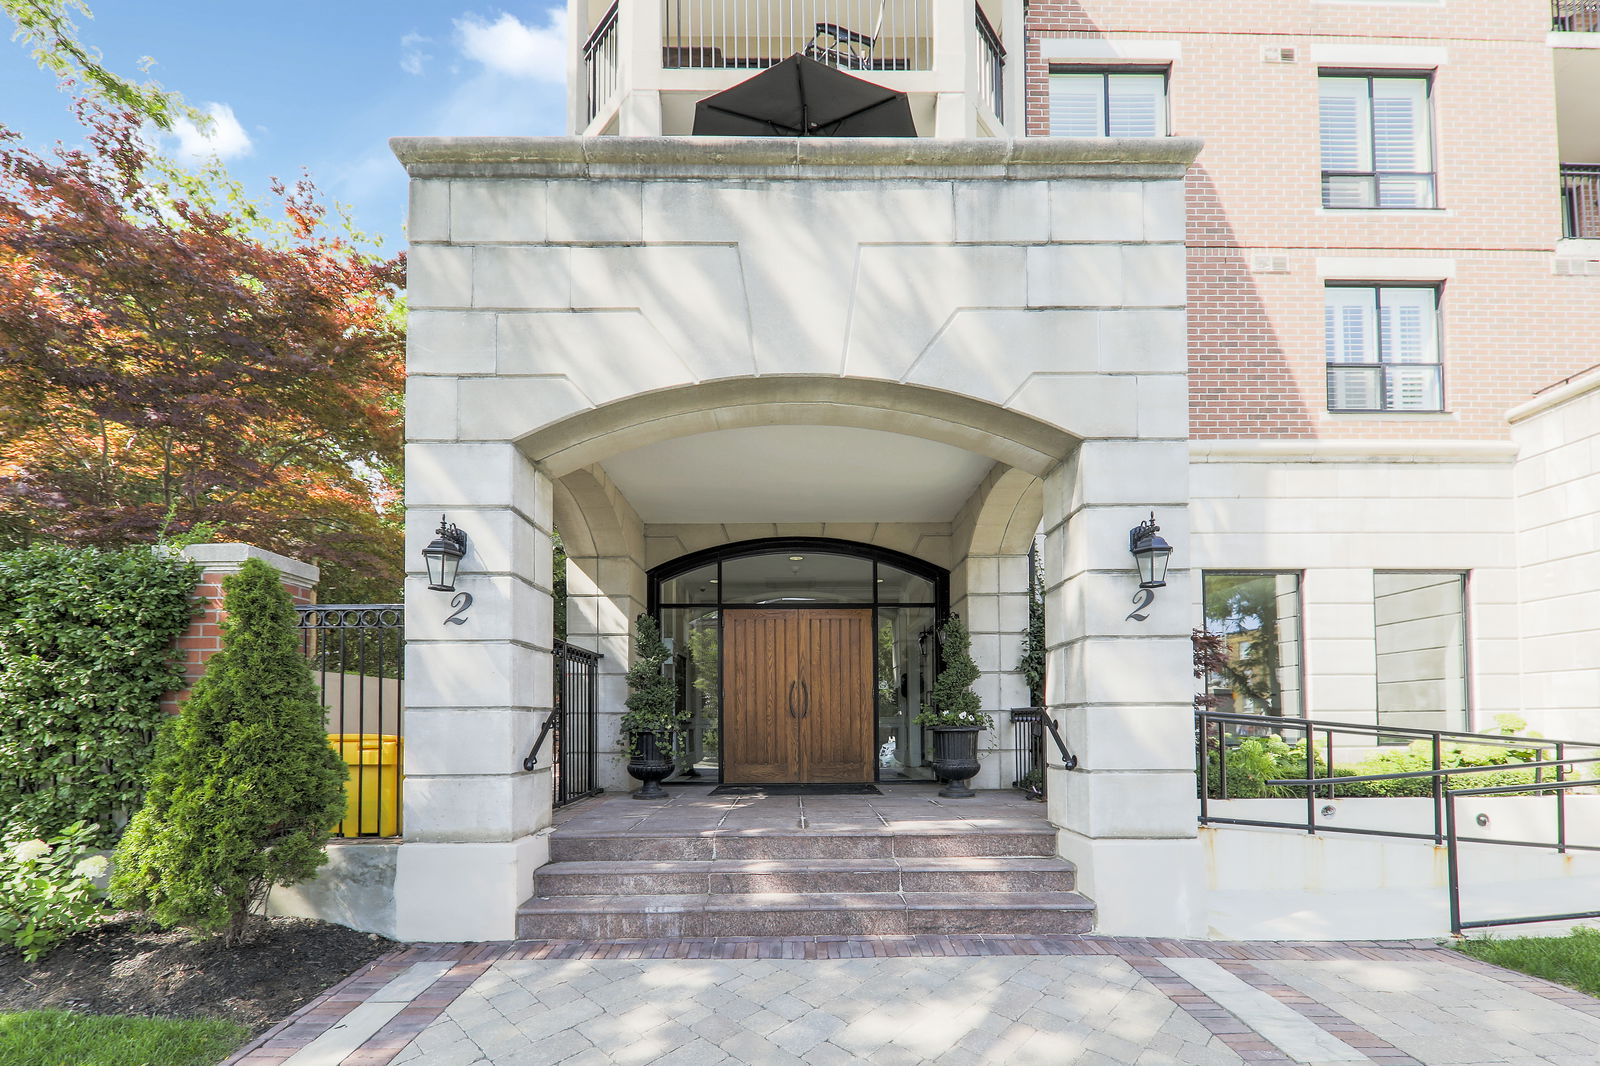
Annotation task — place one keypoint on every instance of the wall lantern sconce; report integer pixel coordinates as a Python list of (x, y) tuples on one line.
[(444, 556), (1150, 552)]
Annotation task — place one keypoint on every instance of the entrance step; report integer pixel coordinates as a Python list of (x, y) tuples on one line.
[(795, 844), (742, 876), (779, 914), (790, 882)]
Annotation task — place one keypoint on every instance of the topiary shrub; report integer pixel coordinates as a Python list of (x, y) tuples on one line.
[(951, 701), (86, 653), (652, 696), (245, 788)]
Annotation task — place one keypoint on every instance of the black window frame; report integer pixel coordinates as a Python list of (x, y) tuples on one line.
[(1108, 71), (1382, 365), (1374, 176)]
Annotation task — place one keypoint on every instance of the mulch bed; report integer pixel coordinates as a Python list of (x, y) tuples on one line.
[(129, 966)]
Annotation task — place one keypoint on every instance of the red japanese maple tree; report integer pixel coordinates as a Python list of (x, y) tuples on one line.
[(169, 358)]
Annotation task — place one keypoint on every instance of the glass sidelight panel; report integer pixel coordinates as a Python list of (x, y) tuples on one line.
[(697, 586), (905, 670), (692, 635), (899, 586)]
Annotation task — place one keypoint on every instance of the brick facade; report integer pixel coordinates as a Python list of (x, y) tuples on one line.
[(203, 639), (1510, 325)]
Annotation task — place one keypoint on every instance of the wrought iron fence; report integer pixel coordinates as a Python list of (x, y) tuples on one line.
[(1575, 16), (601, 66), (853, 34), (357, 653), (1580, 199), (576, 723), (991, 66), (1027, 740), (1322, 783)]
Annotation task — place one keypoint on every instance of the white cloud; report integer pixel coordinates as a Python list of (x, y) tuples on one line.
[(412, 58), (223, 137), (510, 46)]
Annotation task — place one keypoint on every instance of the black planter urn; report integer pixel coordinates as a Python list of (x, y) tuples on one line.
[(955, 759), (651, 763)]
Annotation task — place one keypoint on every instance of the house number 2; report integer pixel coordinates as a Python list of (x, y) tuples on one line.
[(1141, 600), (460, 601)]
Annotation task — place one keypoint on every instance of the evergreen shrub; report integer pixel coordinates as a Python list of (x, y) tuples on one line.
[(951, 701), (245, 789), (87, 650)]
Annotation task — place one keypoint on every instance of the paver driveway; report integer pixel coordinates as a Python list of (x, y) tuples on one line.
[(946, 1000)]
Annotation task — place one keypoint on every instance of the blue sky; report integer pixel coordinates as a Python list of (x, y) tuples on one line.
[(319, 84)]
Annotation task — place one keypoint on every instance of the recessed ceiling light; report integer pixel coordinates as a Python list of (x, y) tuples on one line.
[(713, 581), (797, 558)]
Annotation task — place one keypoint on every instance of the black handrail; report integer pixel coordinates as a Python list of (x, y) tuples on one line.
[(532, 760), (1069, 761), (1445, 833)]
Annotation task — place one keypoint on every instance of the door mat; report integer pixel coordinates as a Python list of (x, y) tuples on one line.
[(796, 790)]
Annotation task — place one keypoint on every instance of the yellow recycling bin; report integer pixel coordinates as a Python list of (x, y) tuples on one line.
[(372, 796)]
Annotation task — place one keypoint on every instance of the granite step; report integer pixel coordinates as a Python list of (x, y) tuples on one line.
[(778, 914), (796, 844), (965, 874)]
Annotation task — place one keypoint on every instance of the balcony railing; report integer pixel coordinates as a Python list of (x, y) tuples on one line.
[(991, 67), (746, 35), (1580, 200), (601, 63), (1575, 16)]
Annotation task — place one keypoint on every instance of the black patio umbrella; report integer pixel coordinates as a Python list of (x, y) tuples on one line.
[(803, 98)]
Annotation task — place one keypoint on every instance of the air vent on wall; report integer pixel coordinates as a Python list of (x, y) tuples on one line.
[(1264, 263), (1279, 54), (1568, 267)]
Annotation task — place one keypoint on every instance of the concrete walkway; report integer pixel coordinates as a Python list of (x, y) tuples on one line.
[(1049, 1001)]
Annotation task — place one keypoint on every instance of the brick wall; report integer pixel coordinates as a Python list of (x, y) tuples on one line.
[(1509, 325), (203, 638)]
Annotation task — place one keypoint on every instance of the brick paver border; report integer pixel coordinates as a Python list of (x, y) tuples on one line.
[(298, 1030)]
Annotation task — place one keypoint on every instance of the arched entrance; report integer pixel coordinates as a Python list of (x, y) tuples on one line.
[(801, 659)]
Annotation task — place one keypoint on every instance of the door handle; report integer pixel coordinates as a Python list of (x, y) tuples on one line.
[(805, 700), (792, 684)]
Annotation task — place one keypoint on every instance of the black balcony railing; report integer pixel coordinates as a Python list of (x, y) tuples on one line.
[(1575, 16), (1580, 199)]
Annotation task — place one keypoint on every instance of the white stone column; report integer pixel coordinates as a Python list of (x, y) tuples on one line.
[(476, 695), (1120, 685)]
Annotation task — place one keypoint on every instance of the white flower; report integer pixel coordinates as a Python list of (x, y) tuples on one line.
[(29, 850), (92, 867)]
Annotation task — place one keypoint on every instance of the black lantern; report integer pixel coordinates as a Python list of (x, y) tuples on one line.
[(444, 556), (1150, 552)]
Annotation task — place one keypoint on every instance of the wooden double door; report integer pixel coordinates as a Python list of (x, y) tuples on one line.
[(797, 695)]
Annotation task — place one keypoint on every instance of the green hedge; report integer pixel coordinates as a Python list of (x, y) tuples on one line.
[(86, 653), (1256, 760)]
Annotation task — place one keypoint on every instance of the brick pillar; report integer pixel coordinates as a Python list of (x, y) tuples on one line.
[(203, 638)]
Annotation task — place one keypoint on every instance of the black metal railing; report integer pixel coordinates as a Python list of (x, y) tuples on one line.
[(1027, 740), (357, 653), (991, 66), (1318, 788), (1575, 16), (1580, 199), (574, 725), (602, 64)]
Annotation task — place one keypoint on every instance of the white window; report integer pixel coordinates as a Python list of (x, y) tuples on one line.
[(1108, 103), (1377, 141), (1382, 348), (1421, 631)]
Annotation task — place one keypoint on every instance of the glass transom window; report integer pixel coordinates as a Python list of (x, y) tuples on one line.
[(1382, 348), (1108, 104)]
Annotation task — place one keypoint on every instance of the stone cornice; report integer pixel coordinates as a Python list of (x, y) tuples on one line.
[(853, 158), (1351, 451), (1576, 387)]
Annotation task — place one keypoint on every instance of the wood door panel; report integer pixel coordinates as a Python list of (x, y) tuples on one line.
[(760, 652), (797, 696), (837, 730)]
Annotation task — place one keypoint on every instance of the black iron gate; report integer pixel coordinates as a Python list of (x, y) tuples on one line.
[(357, 651), (576, 725)]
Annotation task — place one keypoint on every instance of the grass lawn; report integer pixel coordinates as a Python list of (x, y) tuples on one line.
[(62, 1038), (1569, 960)]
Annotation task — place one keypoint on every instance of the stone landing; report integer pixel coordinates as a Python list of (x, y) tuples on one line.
[(905, 862)]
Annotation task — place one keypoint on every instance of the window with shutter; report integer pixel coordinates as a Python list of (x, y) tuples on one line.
[(1381, 345), (1108, 103), (1376, 140)]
